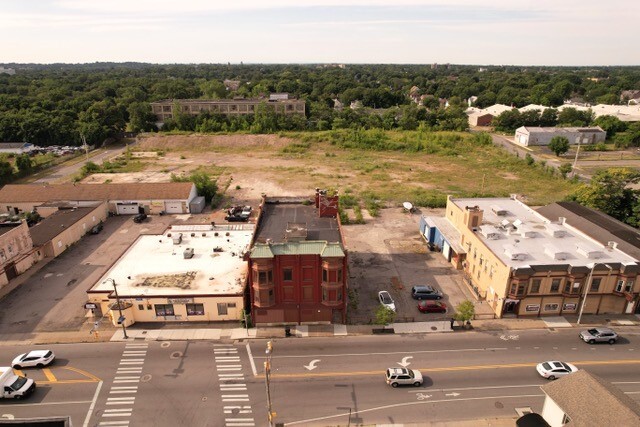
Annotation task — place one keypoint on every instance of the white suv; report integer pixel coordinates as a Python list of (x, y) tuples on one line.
[(403, 376)]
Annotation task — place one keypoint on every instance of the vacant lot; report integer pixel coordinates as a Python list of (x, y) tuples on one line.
[(249, 165)]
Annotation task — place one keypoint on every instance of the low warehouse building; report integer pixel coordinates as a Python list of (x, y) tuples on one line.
[(122, 199), (527, 135), (189, 273)]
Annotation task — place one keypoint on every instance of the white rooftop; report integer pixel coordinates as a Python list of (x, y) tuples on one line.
[(521, 237), (155, 266)]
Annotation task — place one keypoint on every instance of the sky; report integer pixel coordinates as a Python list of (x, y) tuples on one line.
[(489, 32)]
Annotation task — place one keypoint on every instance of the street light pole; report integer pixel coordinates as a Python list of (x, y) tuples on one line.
[(588, 285), (267, 378), (115, 288)]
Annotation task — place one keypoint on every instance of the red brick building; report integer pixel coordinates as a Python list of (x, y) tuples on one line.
[(298, 263)]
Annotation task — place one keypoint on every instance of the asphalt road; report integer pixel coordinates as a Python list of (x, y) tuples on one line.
[(315, 381)]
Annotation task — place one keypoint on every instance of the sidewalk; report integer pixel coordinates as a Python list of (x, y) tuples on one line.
[(140, 333)]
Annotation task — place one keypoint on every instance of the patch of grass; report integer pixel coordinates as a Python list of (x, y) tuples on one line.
[(296, 148)]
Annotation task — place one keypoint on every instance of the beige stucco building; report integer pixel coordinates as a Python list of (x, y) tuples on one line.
[(157, 281), (15, 250), (520, 263)]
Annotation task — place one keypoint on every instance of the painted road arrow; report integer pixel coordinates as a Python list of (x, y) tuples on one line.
[(405, 362), (311, 366), (454, 394)]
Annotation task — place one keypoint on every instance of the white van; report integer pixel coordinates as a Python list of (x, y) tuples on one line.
[(14, 386)]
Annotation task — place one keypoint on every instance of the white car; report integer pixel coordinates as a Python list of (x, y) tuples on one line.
[(386, 300), (555, 369), (37, 358), (403, 376)]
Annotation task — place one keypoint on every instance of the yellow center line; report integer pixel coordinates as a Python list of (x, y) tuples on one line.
[(47, 373), (448, 369), (85, 373), (18, 372), (56, 382)]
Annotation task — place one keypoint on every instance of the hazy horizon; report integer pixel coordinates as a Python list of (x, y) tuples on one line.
[(572, 33)]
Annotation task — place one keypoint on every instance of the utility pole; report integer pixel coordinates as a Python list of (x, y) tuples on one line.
[(85, 146), (267, 377), (121, 318), (575, 161)]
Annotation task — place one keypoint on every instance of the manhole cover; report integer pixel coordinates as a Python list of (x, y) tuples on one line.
[(176, 355), (499, 405), (434, 328), (165, 344), (145, 378)]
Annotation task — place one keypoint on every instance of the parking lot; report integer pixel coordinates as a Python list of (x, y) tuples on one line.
[(388, 253)]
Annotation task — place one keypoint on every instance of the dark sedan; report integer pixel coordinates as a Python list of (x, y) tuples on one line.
[(432, 307)]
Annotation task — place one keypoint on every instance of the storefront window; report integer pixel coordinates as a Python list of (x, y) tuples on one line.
[(195, 309), (164, 309)]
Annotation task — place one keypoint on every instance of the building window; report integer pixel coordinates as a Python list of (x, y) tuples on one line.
[(595, 285), (535, 286), (231, 305), (619, 285), (339, 279), (195, 309), (265, 277), (629, 286), (567, 287), (555, 285), (325, 275), (307, 274), (307, 293), (164, 309), (287, 275), (339, 296), (141, 307), (222, 309)]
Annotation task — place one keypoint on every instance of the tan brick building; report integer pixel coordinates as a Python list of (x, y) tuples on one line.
[(523, 264)]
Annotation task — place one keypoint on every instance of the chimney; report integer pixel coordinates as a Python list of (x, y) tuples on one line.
[(562, 220)]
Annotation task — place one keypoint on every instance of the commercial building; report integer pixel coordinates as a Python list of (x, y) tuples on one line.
[(298, 262), (280, 103), (528, 135), (190, 273), (15, 249), (122, 199), (523, 264), (16, 147)]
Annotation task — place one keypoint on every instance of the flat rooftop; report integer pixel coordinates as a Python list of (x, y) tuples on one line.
[(280, 215), (155, 266), (521, 237), (56, 223)]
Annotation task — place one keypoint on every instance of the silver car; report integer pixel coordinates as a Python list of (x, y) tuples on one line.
[(403, 376), (595, 335)]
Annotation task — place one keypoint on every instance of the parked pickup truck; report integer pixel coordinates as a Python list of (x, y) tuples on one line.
[(13, 386)]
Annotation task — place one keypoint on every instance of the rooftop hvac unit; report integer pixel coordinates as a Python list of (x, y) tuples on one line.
[(555, 230), (554, 253), (505, 223), (517, 223), (498, 210), (514, 253), (490, 232), (588, 252)]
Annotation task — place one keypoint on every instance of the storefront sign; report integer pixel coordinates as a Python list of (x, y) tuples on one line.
[(179, 300), (532, 307), (569, 306), (90, 306)]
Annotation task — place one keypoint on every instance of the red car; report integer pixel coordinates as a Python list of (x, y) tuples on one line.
[(432, 307)]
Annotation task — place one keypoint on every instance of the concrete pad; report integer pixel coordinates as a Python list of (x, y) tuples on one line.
[(556, 322), (421, 327), (625, 322), (301, 331), (339, 330), (241, 333)]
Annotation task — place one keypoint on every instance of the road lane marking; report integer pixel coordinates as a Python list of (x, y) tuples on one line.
[(386, 354), (397, 405), (77, 402), (451, 368), (19, 372), (114, 423), (253, 365), (93, 404), (81, 372)]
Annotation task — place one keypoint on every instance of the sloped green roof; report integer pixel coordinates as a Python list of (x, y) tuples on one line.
[(325, 249)]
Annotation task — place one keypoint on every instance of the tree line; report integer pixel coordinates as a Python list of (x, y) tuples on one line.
[(62, 104)]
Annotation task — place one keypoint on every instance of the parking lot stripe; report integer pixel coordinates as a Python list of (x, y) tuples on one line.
[(47, 373)]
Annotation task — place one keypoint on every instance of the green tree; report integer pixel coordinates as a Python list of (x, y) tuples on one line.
[(24, 165), (465, 311), (610, 124), (140, 117), (204, 185), (559, 145), (384, 315), (6, 172), (609, 192), (565, 169)]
